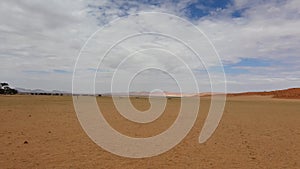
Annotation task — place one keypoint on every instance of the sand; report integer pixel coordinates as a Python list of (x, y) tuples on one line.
[(255, 132)]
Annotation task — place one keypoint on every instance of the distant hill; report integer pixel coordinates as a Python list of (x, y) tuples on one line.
[(292, 93), (154, 94), (23, 90)]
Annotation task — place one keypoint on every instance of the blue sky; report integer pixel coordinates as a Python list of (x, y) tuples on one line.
[(258, 41), (199, 9)]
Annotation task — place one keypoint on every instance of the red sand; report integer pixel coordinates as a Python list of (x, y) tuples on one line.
[(292, 93)]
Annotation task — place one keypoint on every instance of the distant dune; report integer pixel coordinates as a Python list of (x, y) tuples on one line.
[(292, 93)]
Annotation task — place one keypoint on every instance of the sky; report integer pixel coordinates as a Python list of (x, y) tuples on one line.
[(257, 41)]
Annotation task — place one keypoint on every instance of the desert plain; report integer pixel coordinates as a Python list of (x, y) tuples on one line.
[(255, 132)]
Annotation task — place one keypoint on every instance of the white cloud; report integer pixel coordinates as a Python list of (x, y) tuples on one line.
[(40, 36), (268, 30)]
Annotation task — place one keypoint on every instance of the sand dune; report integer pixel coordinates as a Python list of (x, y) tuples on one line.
[(292, 93)]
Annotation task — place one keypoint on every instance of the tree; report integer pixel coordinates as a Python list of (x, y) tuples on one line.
[(5, 89)]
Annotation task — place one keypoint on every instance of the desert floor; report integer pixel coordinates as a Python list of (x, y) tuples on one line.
[(255, 132)]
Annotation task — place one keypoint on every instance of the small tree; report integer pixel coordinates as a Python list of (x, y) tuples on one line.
[(5, 89)]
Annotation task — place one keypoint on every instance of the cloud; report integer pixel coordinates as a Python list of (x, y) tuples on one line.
[(39, 36)]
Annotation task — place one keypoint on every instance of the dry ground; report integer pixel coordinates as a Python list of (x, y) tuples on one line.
[(255, 132)]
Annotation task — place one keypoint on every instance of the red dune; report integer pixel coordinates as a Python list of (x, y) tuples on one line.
[(292, 93)]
